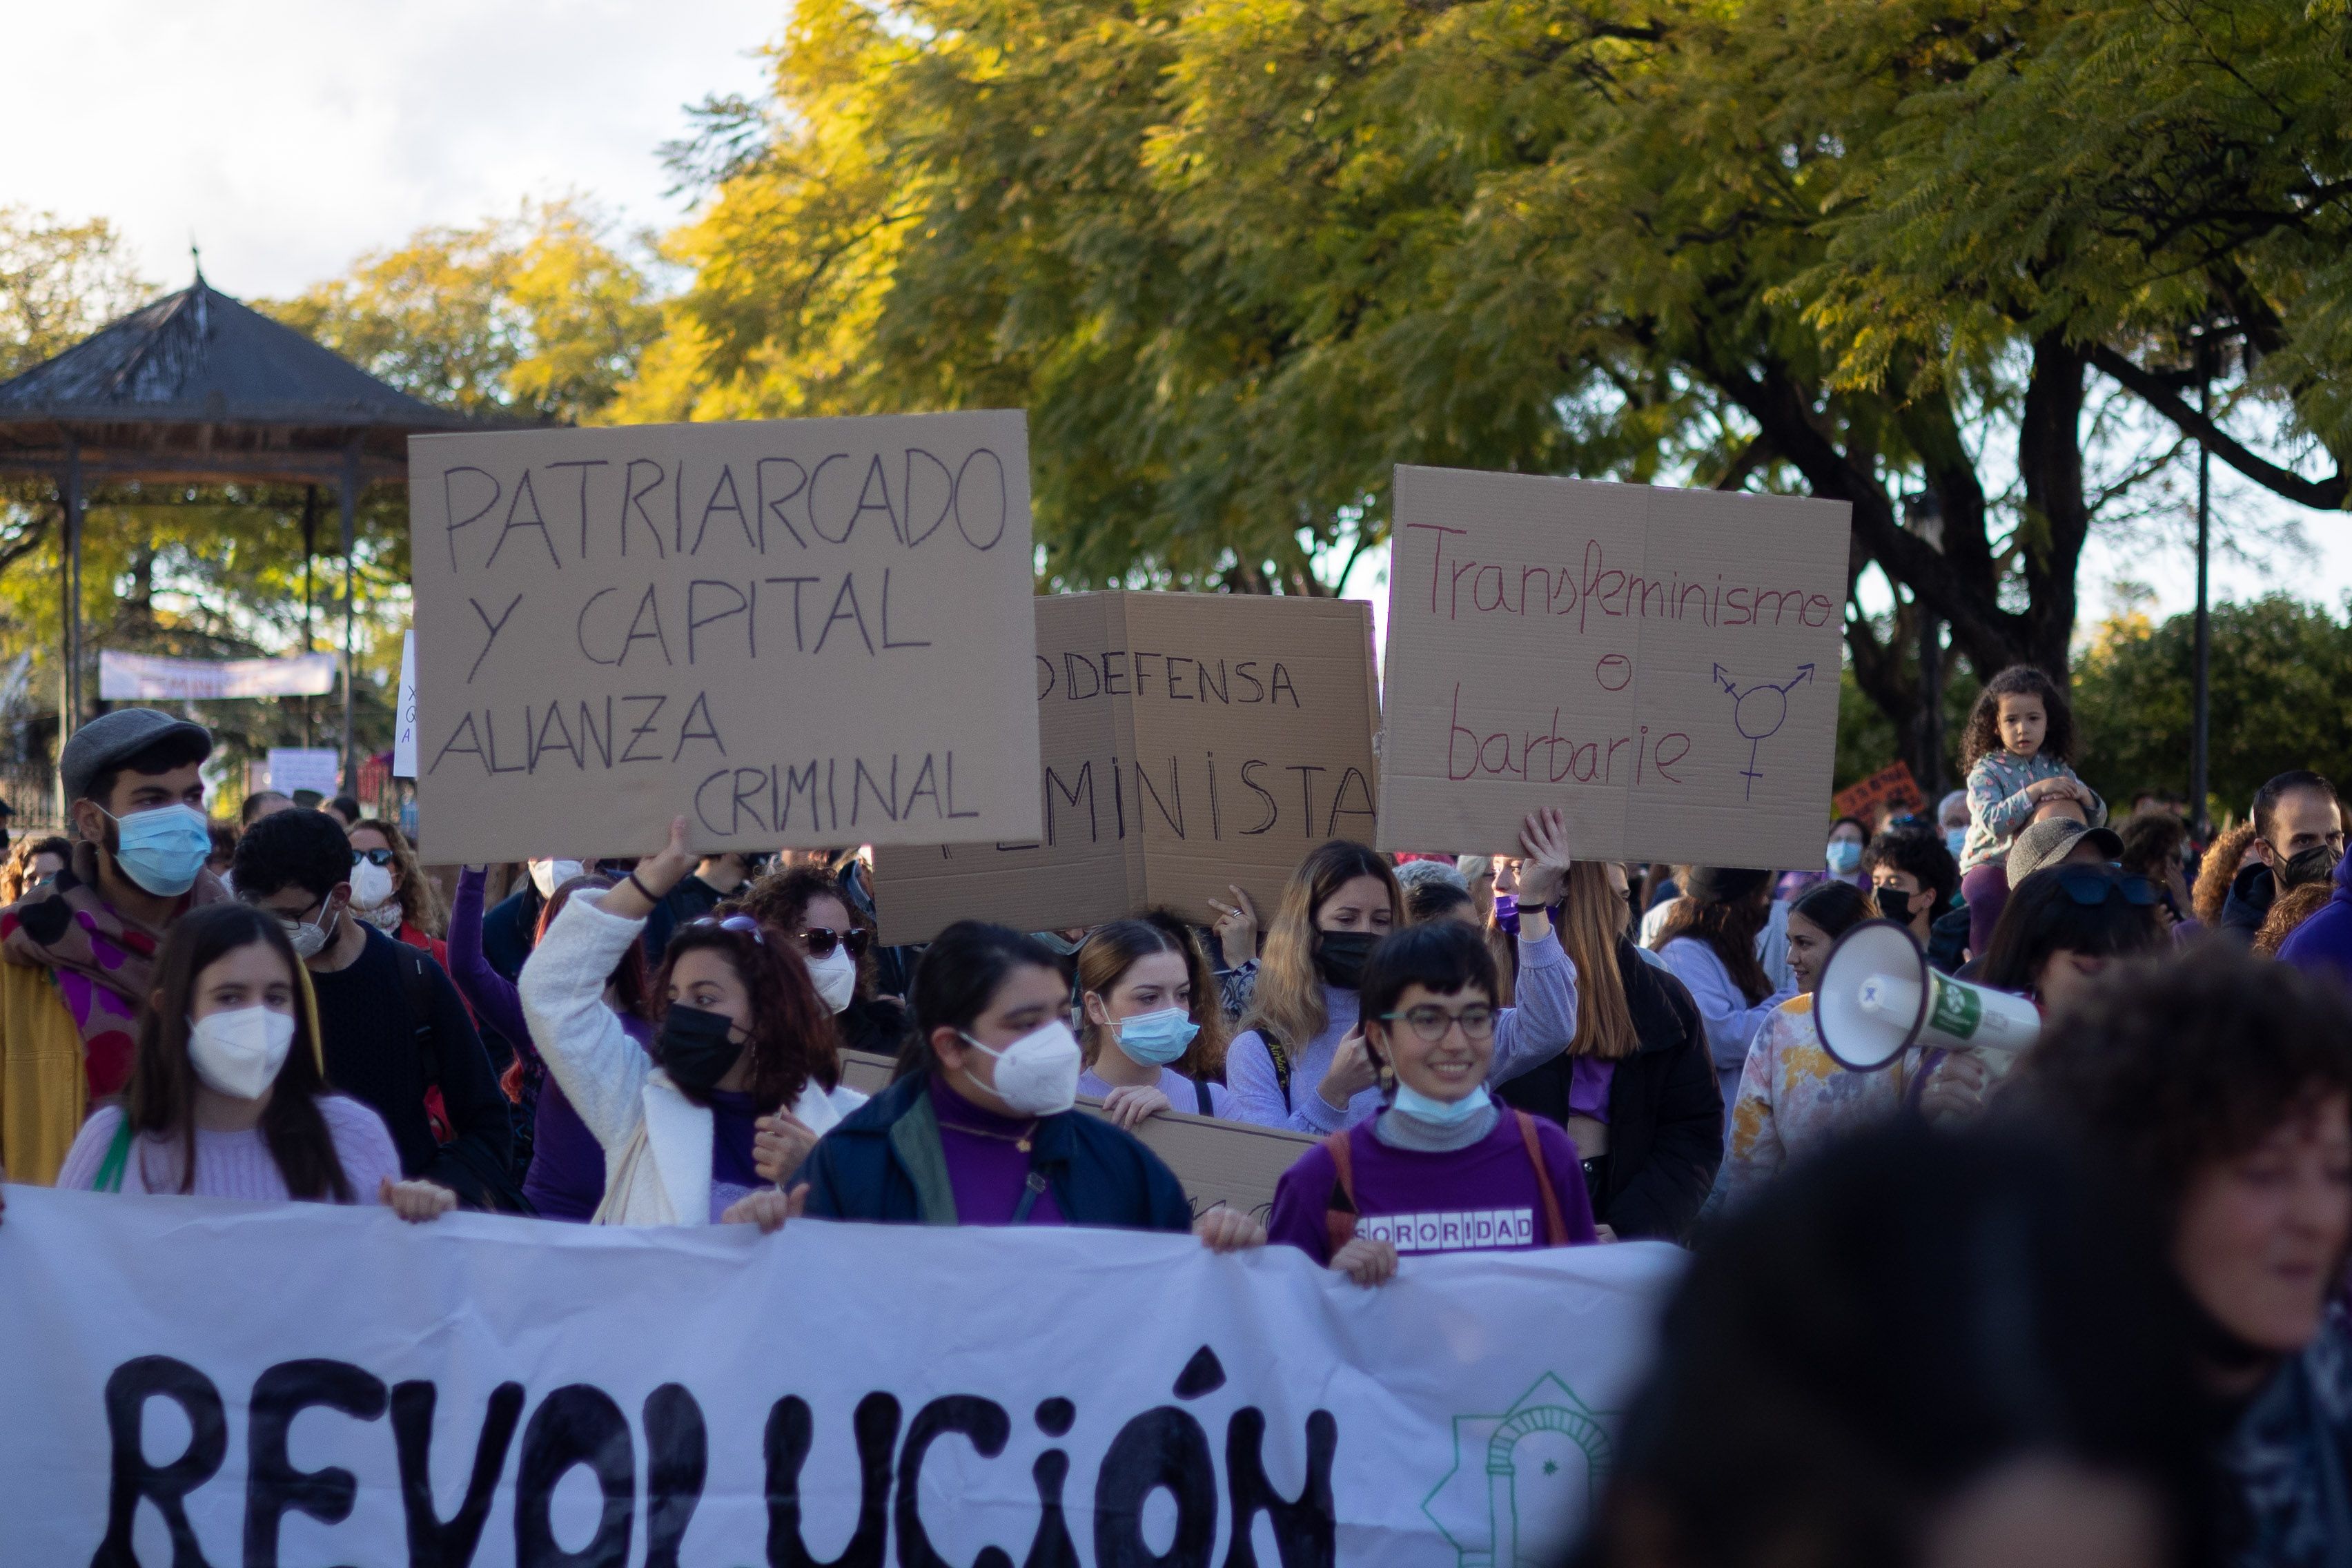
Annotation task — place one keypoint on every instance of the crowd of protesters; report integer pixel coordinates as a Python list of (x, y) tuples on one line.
[(2091, 1295)]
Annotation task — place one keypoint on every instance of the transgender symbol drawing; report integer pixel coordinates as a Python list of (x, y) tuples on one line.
[(1759, 711)]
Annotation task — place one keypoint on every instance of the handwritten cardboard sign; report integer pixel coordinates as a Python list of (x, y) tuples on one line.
[(1191, 740), (797, 633), (1661, 665), (1892, 786), (1233, 1163)]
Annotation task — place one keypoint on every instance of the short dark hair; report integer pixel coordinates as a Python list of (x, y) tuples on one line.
[(1433, 898), (257, 800), (1836, 907), (172, 749), (1923, 853), (2152, 842), (780, 898), (2041, 918), (2266, 799), (2167, 1066), (346, 806), (306, 850), (1446, 956), (957, 977)]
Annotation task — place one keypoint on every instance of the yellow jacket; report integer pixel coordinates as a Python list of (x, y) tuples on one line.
[(42, 1084)]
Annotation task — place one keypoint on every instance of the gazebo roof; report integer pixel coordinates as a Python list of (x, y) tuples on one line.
[(200, 388)]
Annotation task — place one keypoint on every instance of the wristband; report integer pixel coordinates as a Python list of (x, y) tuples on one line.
[(649, 895)]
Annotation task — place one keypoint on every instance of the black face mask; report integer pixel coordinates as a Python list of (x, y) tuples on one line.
[(694, 1047), (1895, 905), (1339, 956), (2315, 863)]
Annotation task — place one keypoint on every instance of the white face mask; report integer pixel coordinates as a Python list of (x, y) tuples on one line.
[(238, 1053), (548, 875), (1036, 1075), (372, 887), (310, 937), (835, 978)]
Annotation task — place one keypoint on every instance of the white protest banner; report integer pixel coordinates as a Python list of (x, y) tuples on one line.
[(404, 735), (799, 633), (191, 1380), (316, 768), (1661, 665), (147, 678), (1192, 743)]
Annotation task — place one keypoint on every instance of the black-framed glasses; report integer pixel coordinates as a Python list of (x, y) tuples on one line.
[(735, 924), (1430, 1022), (372, 856), (821, 940), (2090, 886)]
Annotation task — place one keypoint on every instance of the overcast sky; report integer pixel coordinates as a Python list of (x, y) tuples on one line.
[(290, 138)]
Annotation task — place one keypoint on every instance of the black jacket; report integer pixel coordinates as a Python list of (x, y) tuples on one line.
[(1666, 1111), (2252, 893), (883, 1163)]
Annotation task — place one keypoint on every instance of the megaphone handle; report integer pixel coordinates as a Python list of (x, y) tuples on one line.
[(1928, 1063)]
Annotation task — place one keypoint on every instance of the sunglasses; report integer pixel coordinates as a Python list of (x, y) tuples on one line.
[(2091, 887), (734, 924), (821, 940), (372, 856)]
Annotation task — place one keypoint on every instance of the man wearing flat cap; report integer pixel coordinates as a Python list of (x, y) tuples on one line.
[(80, 953)]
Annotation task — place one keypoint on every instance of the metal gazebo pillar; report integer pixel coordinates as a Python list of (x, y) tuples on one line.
[(69, 703), (347, 489)]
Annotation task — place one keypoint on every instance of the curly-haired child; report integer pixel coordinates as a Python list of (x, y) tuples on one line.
[(2019, 740)]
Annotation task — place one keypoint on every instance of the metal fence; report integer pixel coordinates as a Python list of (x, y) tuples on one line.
[(31, 791)]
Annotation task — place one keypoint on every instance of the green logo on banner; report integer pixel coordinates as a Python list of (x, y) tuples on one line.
[(1521, 1479), (1958, 1011)]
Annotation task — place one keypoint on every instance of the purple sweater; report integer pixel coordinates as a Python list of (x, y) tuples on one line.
[(566, 1179), (234, 1164), (986, 1166), (2322, 944), (1479, 1199)]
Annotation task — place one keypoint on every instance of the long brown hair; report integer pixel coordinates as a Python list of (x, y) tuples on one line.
[(163, 1096), (1591, 917), (2217, 872), (420, 900), (1114, 949), (1289, 1001), (1730, 926), (792, 1041)]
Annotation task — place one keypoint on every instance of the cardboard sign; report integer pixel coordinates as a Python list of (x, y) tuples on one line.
[(1191, 741), (1236, 1163), (801, 633), (1892, 786), (1660, 665)]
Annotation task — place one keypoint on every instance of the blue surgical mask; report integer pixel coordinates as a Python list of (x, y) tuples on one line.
[(1439, 1113), (1157, 1038), (162, 849), (1956, 838), (1844, 857)]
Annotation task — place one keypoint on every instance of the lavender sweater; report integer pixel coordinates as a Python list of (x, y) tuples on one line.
[(1526, 1036), (234, 1164)]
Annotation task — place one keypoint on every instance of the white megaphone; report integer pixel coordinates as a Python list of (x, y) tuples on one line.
[(1879, 996)]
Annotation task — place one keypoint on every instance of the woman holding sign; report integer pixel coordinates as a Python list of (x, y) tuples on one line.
[(227, 1097), (981, 1126), (1302, 1062), (1154, 1031), (739, 1033), (1439, 1167)]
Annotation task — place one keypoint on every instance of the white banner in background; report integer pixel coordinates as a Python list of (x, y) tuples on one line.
[(140, 677), (296, 1384), (403, 736)]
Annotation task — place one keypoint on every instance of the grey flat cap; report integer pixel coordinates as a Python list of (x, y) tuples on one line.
[(107, 739), (2045, 844)]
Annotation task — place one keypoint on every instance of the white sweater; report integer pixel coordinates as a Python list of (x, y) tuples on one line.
[(615, 1086)]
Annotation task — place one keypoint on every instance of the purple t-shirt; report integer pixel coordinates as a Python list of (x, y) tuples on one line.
[(987, 1168), (732, 1174), (1589, 1081), (1479, 1199)]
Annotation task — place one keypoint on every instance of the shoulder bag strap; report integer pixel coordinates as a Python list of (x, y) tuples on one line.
[(1555, 1223), (118, 1158), (1339, 1224), (1200, 1095), (1281, 1059)]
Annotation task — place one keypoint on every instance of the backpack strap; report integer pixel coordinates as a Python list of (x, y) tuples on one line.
[(1555, 1223), (1339, 1221), (1280, 1056), (1200, 1095), (118, 1158)]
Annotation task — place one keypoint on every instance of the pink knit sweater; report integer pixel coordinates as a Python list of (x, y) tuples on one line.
[(234, 1165)]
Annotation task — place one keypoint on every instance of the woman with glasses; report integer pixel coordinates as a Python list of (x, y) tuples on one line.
[(2059, 928), (390, 891), (1440, 1167), (804, 906), (739, 1034)]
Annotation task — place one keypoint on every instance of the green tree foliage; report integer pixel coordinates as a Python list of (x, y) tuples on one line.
[(1237, 259), (2280, 669)]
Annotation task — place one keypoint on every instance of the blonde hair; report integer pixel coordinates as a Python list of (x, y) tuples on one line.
[(1289, 1001), (1114, 949), (1590, 917)]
